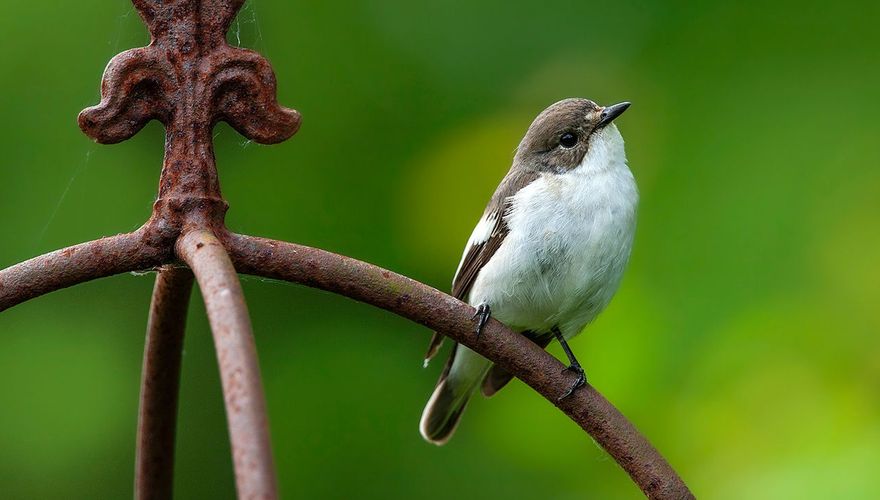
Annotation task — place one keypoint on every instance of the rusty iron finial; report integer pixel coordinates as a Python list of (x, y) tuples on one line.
[(189, 79)]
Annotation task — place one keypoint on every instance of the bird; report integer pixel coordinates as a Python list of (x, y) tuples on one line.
[(548, 253)]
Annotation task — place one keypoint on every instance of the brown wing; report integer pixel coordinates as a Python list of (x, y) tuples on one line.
[(481, 252), (477, 256)]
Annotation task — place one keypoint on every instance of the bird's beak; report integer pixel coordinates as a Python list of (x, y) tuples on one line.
[(612, 112)]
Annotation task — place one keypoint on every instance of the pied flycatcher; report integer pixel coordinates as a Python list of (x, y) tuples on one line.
[(548, 253)]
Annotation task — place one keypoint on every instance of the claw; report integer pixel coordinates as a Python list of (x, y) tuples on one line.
[(579, 381), (573, 365), (483, 313)]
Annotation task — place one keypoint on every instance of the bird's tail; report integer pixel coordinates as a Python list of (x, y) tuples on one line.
[(465, 370)]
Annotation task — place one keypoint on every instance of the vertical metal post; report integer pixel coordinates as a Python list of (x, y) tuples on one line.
[(160, 382), (237, 358)]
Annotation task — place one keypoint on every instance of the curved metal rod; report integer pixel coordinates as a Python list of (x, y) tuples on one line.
[(438, 311), (140, 250), (237, 357), (160, 381)]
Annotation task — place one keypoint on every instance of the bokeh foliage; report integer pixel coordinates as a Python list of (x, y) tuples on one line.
[(743, 341)]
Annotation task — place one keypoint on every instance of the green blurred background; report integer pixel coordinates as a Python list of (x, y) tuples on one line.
[(743, 341)]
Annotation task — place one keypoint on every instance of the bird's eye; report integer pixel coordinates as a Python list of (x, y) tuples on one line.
[(568, 140)]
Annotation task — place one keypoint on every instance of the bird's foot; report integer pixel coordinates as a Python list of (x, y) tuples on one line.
[(579, 381), (482, 316)]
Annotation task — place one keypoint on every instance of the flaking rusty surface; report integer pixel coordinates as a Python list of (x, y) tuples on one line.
[(189, 79)]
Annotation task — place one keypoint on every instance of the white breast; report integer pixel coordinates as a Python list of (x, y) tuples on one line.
[(569, 242)]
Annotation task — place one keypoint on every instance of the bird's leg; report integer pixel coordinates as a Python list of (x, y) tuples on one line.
[(573, 365), (482, 316)]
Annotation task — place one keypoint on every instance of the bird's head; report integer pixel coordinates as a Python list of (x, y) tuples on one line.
[(564, 134)]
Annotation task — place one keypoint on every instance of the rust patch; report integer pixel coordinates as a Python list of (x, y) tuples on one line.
[(189, 79)]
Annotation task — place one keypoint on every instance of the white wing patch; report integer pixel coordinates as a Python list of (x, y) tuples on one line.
[(481, 234)]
